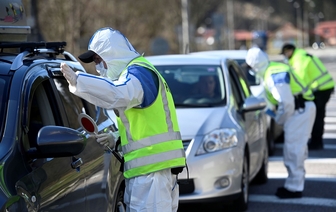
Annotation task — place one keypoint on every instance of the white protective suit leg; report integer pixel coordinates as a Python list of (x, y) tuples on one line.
[(156, 192), (297, 130)]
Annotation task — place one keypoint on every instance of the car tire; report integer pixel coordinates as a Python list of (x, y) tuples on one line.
[(271, 139), (120, 205), (20, 205), (261, 177), (241, 204)]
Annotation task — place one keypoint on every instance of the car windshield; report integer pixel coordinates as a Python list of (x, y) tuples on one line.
[(194, 85), (3, 99), (251, 77)]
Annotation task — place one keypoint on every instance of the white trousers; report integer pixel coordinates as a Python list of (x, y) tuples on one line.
[(155, 192), (297, 130)]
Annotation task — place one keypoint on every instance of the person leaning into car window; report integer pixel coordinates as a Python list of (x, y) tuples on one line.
[(148, 128), (295, 111)]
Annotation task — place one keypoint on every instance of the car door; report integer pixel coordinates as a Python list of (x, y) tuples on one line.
[(101, 168), (251, 119), (53, 184)]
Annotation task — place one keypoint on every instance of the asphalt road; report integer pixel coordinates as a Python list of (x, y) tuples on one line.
[(320, 186)]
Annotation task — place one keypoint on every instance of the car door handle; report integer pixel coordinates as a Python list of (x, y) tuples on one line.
[(76, 163)]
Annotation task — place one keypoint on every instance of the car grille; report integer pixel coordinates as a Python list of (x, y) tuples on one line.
[(186, 144), (186, 186)]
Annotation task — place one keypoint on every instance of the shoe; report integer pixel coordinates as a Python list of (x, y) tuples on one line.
[(315, 146), (283, 193)]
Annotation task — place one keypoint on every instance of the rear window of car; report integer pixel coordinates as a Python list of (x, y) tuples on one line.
[(196, 85), (3, 100)]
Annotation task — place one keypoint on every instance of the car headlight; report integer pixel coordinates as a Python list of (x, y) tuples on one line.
[(218, 140)]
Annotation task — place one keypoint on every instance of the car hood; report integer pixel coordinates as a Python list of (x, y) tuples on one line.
[(199, 121)]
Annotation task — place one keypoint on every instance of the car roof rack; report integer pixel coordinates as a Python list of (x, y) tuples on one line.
[(33, 48)]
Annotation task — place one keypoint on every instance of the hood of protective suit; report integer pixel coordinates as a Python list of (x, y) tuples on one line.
[(114, 48), (257, 60)]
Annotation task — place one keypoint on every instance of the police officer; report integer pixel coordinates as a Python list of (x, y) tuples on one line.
[(147, 122), (295, 110), (320, 81)]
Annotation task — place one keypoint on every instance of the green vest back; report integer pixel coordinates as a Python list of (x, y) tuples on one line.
[(150, 136), (312, 70), (297, 85)]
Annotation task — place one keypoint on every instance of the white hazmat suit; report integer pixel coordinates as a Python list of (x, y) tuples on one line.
[(297, 124), (137, 87)]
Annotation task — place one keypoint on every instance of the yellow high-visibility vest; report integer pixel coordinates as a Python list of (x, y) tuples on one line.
[(150, 136), (297, 85), (312, 70)]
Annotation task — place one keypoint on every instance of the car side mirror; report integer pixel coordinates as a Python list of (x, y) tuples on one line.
[(253, 103), (57, 141)]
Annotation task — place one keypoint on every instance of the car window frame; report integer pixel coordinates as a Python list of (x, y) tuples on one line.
[(236, 85), (4, 93)]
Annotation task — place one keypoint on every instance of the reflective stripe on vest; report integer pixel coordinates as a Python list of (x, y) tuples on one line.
[(304, 90), (149, 141), (145, 151), (322, 74), (147, 160), (163, 94)]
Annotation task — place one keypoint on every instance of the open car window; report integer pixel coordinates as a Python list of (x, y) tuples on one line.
[(251, 77)]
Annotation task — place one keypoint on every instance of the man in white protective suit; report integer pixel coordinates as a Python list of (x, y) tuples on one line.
[(146, 117), (295, 110)]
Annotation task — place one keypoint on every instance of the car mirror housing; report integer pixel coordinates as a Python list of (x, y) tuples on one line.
[(253, 103), (57, 141)]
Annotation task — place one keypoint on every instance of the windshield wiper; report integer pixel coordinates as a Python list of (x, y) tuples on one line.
[(194, 105)]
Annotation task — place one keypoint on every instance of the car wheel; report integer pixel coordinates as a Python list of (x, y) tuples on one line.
[(120, 205), (261, 177), (241, 203), (19, 205)]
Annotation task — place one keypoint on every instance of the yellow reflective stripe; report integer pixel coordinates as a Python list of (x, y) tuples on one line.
[(151, 159), (152, 140)]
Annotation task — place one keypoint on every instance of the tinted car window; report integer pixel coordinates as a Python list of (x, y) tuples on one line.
[(3, 95), (237, 90), (194, 84), (73, 105)]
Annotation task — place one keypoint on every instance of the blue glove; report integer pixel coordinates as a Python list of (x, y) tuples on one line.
[(270, 112)]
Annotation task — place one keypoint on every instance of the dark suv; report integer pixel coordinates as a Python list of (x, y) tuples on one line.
[(47, 161)]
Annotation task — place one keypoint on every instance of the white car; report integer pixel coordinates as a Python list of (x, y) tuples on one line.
[(223, 132), (275, 131)]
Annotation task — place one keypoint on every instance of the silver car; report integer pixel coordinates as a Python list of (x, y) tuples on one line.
[(274, 131), (222, 125)]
